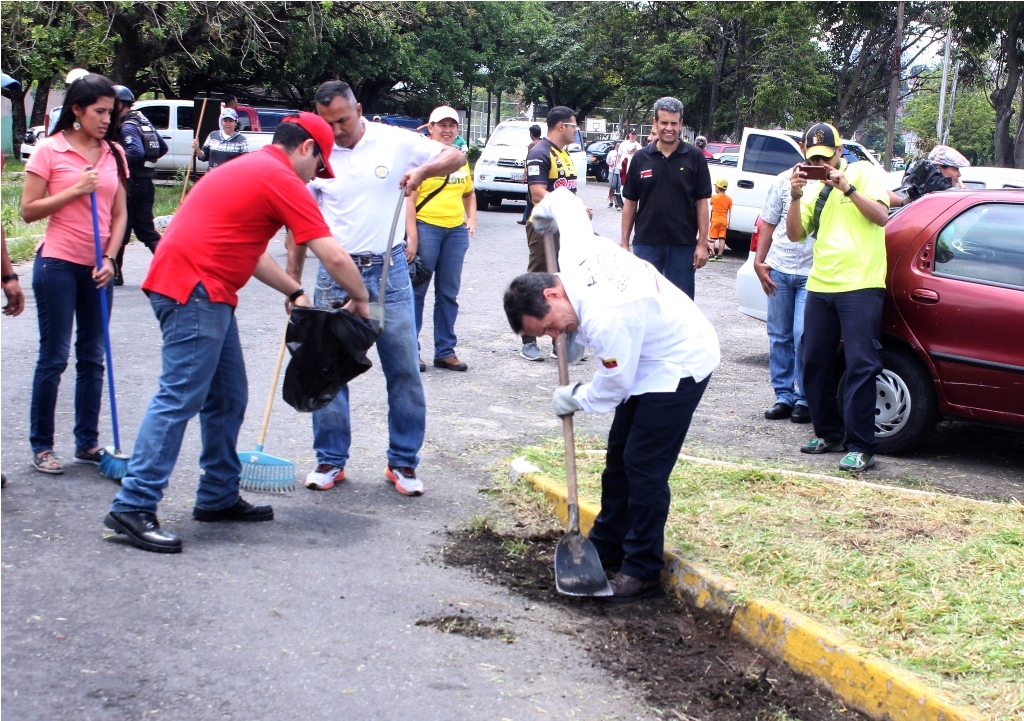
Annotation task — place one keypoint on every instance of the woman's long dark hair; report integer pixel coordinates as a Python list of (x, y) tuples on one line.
[(85, 92)]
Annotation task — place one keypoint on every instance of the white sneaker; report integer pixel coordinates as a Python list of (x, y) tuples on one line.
[(405, 479), (324, 477)]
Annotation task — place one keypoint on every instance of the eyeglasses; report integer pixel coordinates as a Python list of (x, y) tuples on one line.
[(571, 125), (321, 166)]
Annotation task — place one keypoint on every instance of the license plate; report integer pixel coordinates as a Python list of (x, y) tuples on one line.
[(517, 177)]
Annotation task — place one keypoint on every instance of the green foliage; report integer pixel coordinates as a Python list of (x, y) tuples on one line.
[(973, 120)]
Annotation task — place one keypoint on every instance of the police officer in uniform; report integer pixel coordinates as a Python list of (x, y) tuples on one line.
[(142, 144), (656, 353), (548, 166)]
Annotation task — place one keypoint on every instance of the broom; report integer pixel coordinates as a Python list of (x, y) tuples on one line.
[(262, 471), (114, 463)]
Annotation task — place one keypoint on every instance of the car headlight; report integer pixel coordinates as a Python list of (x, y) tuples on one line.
[(591, 158), (488, 162)]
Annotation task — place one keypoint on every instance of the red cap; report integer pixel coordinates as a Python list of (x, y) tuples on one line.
[(321, 132)]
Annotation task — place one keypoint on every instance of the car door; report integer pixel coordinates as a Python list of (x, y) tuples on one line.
[(160, 117), (184, 131), (963, 299), (764, 157)]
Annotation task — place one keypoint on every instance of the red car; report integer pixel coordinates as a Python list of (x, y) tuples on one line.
[(953, 320)]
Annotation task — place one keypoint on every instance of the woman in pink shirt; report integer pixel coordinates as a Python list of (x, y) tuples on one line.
[(77, 159)]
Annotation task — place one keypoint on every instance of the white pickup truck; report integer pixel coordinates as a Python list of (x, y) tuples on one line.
[(763, 155), (175, 121)]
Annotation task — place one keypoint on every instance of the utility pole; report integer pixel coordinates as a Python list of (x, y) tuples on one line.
[(952, 102), (894, 88), (942, 90)]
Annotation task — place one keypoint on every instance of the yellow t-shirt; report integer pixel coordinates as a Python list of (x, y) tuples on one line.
[(849, 251), (445, 210)]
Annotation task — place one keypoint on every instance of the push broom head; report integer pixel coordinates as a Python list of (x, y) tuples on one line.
[(265, 473), (114, 464)]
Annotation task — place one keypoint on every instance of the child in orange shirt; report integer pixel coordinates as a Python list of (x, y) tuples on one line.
[(721, 209)]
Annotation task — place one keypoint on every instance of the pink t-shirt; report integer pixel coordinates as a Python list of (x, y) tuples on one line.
[(69, 234)]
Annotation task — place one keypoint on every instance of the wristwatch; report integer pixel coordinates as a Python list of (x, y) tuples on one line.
[(294, 296), (851, 191), (8, 278)]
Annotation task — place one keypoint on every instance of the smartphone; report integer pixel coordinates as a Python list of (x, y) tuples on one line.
[(815, 172)]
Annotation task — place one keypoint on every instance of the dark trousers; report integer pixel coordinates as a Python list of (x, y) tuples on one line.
[(856, 318), (538, 262), (643, 445), (675, 262), (140, 216)]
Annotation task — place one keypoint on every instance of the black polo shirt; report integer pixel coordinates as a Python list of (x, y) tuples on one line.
[(667, 191)]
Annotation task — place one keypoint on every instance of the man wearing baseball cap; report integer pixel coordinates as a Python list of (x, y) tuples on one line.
[(216, 242), (846, 214)]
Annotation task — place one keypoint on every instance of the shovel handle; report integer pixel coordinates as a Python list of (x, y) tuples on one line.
[(563, 379), (192, 155)]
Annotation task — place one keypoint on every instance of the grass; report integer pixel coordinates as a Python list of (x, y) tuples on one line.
[(22, 237), (933, 583)]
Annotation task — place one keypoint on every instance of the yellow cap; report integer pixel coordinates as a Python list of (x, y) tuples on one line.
[(821, 140), (722, 183)]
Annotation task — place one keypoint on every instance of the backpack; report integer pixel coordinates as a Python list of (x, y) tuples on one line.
[(923, 177), (151, 141)]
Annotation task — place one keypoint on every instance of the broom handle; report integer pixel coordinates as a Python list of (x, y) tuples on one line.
[(277, 367), (192, 155), (104, 310)]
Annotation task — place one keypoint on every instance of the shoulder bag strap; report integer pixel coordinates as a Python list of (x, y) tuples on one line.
[(419, 205), (819, 206)]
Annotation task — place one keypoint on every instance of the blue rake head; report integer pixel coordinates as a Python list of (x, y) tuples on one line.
[(265, 473)]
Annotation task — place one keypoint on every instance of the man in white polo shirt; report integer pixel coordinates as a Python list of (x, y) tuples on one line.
[(373, 161)]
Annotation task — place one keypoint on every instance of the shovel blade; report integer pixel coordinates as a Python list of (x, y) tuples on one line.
[(578, 570), (377, 315)]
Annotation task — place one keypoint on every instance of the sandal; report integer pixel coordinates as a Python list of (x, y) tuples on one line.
[(47, 462)]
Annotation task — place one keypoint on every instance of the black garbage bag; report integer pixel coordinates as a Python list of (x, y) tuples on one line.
[(328, 349)]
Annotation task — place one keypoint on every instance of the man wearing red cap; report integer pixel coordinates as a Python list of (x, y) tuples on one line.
[(202, 261)]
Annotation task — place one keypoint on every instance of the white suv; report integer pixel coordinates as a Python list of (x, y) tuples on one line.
[(498, 174)]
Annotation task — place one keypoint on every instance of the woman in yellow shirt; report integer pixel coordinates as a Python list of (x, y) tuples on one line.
[(440, 219)]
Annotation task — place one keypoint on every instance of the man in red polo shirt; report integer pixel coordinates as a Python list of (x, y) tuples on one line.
[(215, 244)]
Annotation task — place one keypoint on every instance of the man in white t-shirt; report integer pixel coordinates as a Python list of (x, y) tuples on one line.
[(783, 267), (629, 146), (373, 161)]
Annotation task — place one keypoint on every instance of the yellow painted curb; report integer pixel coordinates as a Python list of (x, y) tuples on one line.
[(870, 685)]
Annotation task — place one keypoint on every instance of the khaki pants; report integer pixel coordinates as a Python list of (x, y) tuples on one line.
[(538, 261)]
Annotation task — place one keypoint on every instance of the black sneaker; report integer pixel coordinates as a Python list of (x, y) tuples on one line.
[(89, 457), (241, 511)]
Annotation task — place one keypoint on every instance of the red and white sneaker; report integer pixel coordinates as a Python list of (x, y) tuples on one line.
[(405, 479), (324, 477)]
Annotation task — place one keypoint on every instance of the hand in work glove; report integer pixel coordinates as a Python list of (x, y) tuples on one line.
[(563, 401)]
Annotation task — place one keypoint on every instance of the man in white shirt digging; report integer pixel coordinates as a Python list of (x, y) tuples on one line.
[(655, 353)]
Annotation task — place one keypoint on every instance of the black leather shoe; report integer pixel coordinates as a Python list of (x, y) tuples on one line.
[(779, 411), (452, 363), (241, 511), (143, 530), (801, 414), (626, 589)]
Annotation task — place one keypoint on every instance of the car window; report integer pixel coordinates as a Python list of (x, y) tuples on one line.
[(158, 115), (765, 154), (515, 135), (854, 153), (985, 244), (243, 122), (186, 118)]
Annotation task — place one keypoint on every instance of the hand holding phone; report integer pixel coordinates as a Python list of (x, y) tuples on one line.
[(815, 172)]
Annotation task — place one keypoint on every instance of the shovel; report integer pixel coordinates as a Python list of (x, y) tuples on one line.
[(578, 570), (377, 309)]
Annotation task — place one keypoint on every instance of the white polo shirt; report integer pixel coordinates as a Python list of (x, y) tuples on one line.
[(646, 333), (359, 202)]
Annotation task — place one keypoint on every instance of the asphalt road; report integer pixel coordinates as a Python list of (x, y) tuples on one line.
[(314, 615)]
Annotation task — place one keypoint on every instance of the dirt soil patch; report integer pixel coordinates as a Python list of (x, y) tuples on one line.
[(686, 662), (466, 626)]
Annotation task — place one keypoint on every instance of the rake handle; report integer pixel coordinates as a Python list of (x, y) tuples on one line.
[(192, 155), (277, 366), (563, 379)]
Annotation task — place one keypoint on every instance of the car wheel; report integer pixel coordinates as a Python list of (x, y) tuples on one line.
[(602, 175), (482, 200), (906, 409)]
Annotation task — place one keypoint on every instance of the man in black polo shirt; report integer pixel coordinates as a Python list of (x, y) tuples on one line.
[(666, 193), (548, 166)]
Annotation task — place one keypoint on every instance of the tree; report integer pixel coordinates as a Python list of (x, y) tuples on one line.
[(973, 119)]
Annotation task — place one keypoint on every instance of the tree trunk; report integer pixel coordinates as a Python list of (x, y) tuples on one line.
[(716, 84), (18, 125), (741, 77), (894, 87), (39, 102), (1018, 149), (1004, 97)]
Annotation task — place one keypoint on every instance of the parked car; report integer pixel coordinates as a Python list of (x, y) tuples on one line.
[(270, 118), (717, 150), (954, 307), (498, 174), (400, 121), (981, 178), (597, 157), (32, 136), (762, 155)]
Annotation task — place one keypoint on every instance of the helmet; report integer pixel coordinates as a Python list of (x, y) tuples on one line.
[(700, 141), (124, 94), (945, 155), (74, 74)]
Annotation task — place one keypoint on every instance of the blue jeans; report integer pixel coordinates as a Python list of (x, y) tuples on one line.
[(785, 337), (203, 372), (675, 262), (66, 293), (443, 250), (398, 352)]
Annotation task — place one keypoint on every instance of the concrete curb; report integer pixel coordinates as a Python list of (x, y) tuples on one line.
[(874, 687)]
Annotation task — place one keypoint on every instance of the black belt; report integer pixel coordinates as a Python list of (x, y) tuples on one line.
[(366, 260)]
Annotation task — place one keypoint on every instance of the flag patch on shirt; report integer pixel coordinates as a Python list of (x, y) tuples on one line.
[(646, 173), (610, 362)]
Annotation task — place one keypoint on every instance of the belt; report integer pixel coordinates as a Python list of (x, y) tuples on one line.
[(365, 260)]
